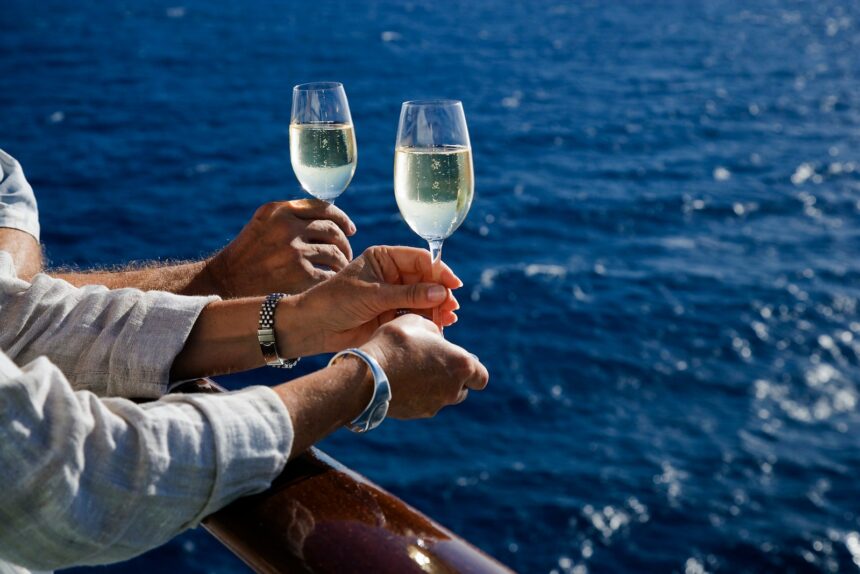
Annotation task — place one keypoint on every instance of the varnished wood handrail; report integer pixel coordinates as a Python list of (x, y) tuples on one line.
[(320, 517)]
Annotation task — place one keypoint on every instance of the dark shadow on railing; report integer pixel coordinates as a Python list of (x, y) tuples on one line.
[(321, 517)]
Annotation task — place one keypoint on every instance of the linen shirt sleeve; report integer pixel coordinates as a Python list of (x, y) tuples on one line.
[(85, 480), (18, 208), (111, 342)]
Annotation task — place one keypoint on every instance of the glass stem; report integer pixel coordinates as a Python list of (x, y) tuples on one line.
[(436, 257)]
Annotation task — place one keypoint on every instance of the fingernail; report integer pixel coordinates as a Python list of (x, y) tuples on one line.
[(352, 228), (474, 356), (437, 293)]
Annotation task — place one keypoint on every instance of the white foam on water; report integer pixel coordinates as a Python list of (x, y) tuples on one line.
[(852, 543), (694, 566), (176, 12), (721, 174), (803, 172), (534, 269)]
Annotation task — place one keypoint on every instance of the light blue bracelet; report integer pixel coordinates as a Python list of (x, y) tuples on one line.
[(375, 411)]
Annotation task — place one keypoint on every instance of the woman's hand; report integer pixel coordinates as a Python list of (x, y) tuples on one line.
[(426, 372), (345, 310), (288, 246)]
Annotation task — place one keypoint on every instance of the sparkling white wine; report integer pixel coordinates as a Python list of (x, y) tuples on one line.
[(434, 188), (323, 157)]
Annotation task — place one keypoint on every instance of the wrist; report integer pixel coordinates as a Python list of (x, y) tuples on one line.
[(209, 279), (295, 328), (354, 376)]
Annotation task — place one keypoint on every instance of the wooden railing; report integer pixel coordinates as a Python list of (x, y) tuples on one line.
[(321, 517)]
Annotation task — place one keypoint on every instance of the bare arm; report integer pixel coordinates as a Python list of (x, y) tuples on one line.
[(124, 477), (365, 295), (25, 250), (193, 278), (287, 246)]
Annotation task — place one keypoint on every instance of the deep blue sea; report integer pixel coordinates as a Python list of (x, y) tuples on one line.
[(662, 264)]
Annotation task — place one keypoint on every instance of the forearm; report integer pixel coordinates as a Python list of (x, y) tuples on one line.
[(224, 338), (324, 401), (24, 249), (192, 278)]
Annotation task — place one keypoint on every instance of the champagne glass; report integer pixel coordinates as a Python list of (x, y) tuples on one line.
[(322, 139), (434, 180)]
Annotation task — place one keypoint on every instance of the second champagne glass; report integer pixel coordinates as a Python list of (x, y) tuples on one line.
[(434, 179), (322, 139)]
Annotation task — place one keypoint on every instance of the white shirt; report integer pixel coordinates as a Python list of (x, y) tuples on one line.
[(87, 477), (18, 208)]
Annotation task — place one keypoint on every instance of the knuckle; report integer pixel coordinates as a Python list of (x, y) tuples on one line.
[(320, 275), (308, 268), (267, 210), (374, 251), (461, 366), (412, 295), (297, 244), (397, 333)]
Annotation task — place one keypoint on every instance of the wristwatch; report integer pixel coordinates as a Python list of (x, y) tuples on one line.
[(375, 411), (266, 334)]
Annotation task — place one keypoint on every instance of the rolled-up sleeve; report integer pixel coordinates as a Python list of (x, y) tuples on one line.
[(111, 342), (85, 480), (18, 208)]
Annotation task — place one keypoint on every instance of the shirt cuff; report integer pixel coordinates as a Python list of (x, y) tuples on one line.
[(20, 219), (253, 436), (146, 348), (18, 208)]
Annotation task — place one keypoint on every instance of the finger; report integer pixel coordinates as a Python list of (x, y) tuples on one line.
[(325, 255), (446, 311), (317, 274), (412, 265), (464, 394), (450, 304), (414, 296), (316, 209), (447, 318), (326, 231), (481, 376)]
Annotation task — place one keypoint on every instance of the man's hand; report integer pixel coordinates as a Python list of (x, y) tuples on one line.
[(287, 246), (346, 309)]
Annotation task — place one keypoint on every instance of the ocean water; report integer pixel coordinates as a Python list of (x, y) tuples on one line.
[(661, 264)]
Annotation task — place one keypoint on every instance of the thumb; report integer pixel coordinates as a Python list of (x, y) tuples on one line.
[(415, 296)]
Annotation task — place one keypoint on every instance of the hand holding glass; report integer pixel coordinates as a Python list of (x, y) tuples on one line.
[(433, 176), (322, 139)]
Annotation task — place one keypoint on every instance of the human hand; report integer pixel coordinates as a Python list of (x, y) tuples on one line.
[(346, 309), (425, 371), (282, 249)]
